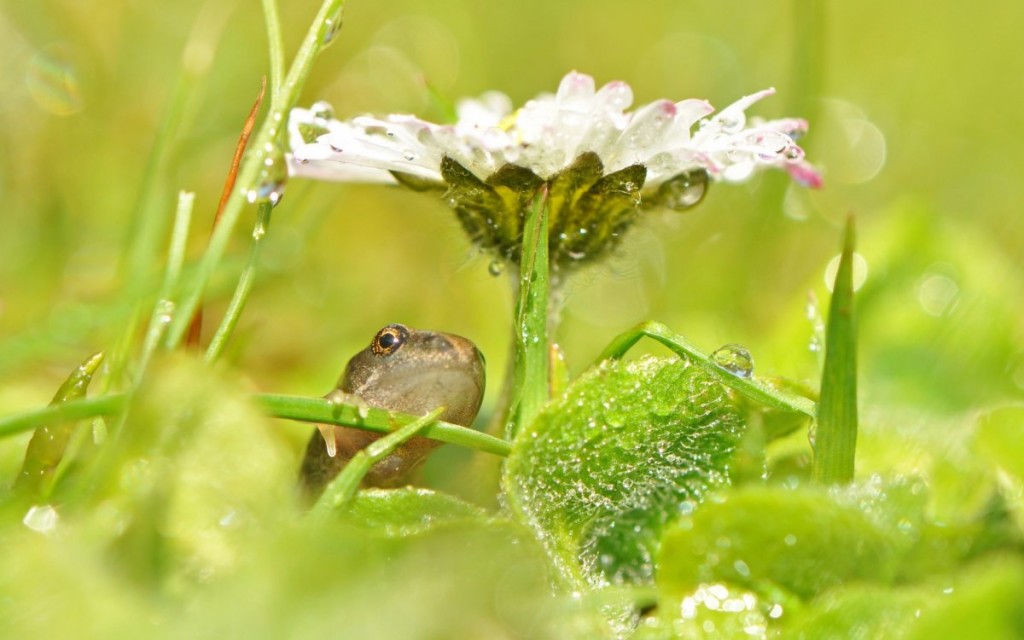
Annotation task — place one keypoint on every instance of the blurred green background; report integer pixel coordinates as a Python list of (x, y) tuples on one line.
[(913, 111)]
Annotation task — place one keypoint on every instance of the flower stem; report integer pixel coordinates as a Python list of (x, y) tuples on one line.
[(531, 366)]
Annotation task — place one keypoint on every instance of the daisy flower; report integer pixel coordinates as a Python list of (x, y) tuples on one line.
[(600, 162)]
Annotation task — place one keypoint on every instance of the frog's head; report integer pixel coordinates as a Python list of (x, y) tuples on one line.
[(415, 372)]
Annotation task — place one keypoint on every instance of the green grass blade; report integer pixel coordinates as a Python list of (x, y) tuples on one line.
[(275, 46), (62, 412), (319, 410), (163, 310), (342, 489), (315, 410), (244, 287), (836, 436), (750, 387), (264, 151)]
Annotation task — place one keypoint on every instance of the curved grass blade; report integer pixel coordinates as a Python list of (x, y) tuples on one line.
[(752, 388), (48, 443), (340, 492)]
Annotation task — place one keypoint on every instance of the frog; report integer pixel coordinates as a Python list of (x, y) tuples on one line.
[(404, 370)]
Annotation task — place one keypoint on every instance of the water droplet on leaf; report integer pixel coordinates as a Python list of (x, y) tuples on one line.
[(735, 359), (496, 268)]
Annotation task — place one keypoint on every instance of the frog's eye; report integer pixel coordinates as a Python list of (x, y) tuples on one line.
[(389, 339)]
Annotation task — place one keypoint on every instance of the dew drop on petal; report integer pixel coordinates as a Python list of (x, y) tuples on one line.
[(735, 359), (616, 96), (322, 110), (684, 191)]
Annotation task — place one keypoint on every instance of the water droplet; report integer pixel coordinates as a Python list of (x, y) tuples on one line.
[(53, 83), (860, 271), (331, 28), (790, 540), (683, 191), (741, 568), (408, 155), (259, 231), (731, 122), (228, 519), (496, 267), (327, 431), (938, 292), (735, 359), (42, 519), (363, 411), (273, 176), (164, 311), (322, 110)]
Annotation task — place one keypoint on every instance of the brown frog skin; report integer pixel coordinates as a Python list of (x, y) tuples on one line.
[(402, 370)]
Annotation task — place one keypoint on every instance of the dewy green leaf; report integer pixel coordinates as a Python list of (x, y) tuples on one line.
[(601, 470), (46, 448), (803, 541), (836, 436)]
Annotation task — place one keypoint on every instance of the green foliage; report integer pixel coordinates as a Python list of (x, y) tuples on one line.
[(602, 469)]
